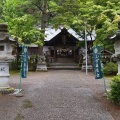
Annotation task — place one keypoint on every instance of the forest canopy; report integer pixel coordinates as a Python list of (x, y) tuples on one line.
[(22, 17)]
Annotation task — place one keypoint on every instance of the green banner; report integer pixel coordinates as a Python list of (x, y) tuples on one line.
[(24, 61), (97, 62)]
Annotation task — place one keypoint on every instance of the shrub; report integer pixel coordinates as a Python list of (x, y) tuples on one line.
[(110, 68), (14, 65), (114, 94)]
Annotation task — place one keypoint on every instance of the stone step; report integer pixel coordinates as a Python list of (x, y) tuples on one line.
[(64, 68), (65, 60), (64, 64)]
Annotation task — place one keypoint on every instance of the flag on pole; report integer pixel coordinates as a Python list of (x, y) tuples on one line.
[(97, 62), (24, 61)]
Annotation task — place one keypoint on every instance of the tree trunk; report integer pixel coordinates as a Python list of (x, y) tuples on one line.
[(43, 23)]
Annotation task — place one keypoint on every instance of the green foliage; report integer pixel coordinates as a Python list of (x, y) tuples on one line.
[(21, 24), (19, 117), (114, 94), (80, 43), (107, 21), (22, 15), (1, 10), (27, 104), (110, 68), (14, 65)]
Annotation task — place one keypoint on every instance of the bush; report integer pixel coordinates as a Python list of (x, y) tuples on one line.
[(114, 94), (110, 68), (14, 65)]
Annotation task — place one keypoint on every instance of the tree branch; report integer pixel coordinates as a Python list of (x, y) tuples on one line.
[(38, 7)]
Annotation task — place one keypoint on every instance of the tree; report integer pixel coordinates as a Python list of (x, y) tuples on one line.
[(1, 10), (21, 24), (75, 14), (107, 23), (101, 16), (42, 7)]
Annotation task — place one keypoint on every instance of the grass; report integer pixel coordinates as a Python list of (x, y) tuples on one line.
[(27, 104), (19, 117), (7, 90), (12, 72), (109, 76)]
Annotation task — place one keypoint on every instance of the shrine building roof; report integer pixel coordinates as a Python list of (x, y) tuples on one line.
[(52, 32)]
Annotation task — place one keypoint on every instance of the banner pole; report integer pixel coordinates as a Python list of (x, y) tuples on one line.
[(105, 90), (103, 76), (20, 82), (104, 85)]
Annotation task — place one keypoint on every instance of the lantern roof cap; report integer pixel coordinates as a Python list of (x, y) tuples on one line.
[(116, 36), (4, 35)]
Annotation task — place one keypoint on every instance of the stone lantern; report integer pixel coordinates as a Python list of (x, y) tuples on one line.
[(5, 55), (116, 40)]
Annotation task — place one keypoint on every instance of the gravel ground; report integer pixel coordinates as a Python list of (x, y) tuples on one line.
[(55, 95)]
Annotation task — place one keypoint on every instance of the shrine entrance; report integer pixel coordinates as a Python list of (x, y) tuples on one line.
[(64, 53), (62, 47)]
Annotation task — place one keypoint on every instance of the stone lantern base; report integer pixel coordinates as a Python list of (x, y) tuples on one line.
[(41, 64), (4, 75), (4, 81), (41, 67), (4, 78)]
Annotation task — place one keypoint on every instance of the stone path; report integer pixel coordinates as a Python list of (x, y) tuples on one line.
[(55, 95)]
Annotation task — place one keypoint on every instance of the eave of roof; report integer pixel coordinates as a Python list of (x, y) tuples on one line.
[(52, 32), (104, 50)]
